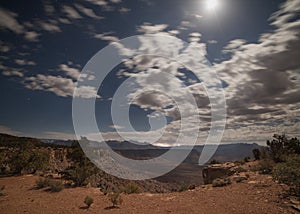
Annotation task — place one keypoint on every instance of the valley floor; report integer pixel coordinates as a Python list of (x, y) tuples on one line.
[(257, 195)]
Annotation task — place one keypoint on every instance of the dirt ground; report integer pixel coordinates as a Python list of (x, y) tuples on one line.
[(257, 195)]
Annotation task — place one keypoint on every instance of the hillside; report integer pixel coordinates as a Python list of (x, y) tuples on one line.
[(257, 195)]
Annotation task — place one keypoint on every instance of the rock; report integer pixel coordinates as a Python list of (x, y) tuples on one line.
[(296, 207), (239, 179), (215, 171)]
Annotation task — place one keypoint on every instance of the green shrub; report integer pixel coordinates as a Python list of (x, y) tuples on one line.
[(56, 186), (219, 182), (29, 160), (81, 169), (115, 198), (281, 146), (247, 159), (265, 166), (131, 188), (256, 154), (88, 201), (289, 173), (42, 183)]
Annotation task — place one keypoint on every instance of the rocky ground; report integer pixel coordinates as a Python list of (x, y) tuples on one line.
[(259, 194)]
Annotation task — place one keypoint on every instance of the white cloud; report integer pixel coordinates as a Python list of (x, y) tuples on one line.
[(58, 135), (124, 10), (8, 130), (50, 27), (72, 72), (12, 73), (32, 36), (8, 21), (148, 28), (212, 42), (63, 87), (24, 62), (86, 92), (71, 12), (87, 11), (107, 37)]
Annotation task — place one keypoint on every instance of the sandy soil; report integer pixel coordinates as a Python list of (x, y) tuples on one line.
[(258, 195)]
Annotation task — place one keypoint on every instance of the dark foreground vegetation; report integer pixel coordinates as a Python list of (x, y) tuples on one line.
[(281, 159)]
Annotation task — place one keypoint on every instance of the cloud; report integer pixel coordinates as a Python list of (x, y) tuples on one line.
[(58, 135), (87, 11), (86, 92), (234, 45), (8, 21), (60, 86), (124, 10), (263, 78), (71, 72), (12, 73), (50, 27), (8, 130), (195, 37), (71, 12), (4, 47), (148, 28), (212, 42), (261, 81), (32, 36), (106, 37), (24, 62)]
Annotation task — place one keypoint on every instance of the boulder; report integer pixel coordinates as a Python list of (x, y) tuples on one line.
[(215, 171)]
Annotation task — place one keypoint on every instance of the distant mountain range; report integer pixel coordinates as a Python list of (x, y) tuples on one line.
[(225, 152)]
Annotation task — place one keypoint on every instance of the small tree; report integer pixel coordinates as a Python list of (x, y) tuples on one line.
[(131, 188), (247, 159), (115, 198), (289, 173), (256, 154), (281, 146), (88, 201)]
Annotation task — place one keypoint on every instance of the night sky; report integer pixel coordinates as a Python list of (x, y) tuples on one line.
[(253, 45)]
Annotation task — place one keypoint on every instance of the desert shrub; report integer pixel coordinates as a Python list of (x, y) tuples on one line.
[(81, 169), (2, 187), (289, 173), (29, 159), (256, 154), (88, 201), (185, 187), (42, 183), (219, 182), (240, 179), (214, 161), (265, 166), (247, 159), (240, 169), (115, 198), (239, 162), (131, 188), (56, 186)]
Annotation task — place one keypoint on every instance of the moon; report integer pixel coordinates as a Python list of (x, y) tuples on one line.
[(212, 4)]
